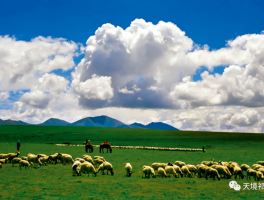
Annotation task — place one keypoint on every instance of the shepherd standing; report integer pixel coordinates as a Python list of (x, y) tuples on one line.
[(18, 145)]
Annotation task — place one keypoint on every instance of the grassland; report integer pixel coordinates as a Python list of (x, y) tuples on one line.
[(57, 182)]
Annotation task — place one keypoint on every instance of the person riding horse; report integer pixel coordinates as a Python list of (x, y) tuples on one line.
[(88, 145)]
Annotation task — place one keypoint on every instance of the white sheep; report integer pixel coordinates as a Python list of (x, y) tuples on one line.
[(209, 163), (65, 158), (88, 159), (24, 163), (53, 158), (3, 156), (179, 163), (76, 168), (87, 167), (222, 170), (108, 166), (98, 161), (256, 166), (147, 170), (260, 175), (156, 165), (238, 171), (10, 156), (128, 168), (186, 171), (192, 169), (34, 160), (100, 157), (24, 158), (260, 162), (44, 159), (245, 167), (3, 160), (15, 160), (201, 169), (81, 160), (212, 173), (252, 172), (170, 170), (162, 172), (178, 170)]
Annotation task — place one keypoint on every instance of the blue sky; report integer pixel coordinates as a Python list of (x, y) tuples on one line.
[(203, 23)]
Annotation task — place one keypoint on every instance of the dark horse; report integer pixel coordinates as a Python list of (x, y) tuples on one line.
[(89, 147), (107, 146)]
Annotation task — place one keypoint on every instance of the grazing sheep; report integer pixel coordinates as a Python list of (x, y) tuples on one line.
[(155, 166), (44, 159), (81, 160), (162, 172), (212, 172), (10, 156), (252, 172), (87, 167), (76, 168), (33, 159), (3, 156), (53, 158), (186, 171), (24, 158), (3, 161), (192, 169), (42, 155), (128, 168), (15, 160), (147, 170), (88, 159), (260, 162), (260, 175), (100, 157), (65, 158), (106, 166), (179, 163), (178, 170), (238, 171), (256, 166), (222, 170), (260, 169), (86, 156), (23, 163), (31, 154), (170, 170), (202, 170), (245, 167), (98, 161), (209, 163)]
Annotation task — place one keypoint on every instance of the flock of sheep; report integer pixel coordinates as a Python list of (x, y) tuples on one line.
[(139, 147), (87, 165)]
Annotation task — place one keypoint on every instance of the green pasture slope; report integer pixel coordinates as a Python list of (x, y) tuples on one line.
[(57, 182)]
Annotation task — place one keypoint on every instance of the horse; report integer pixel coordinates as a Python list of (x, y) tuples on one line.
[(89, 147), (107, 146)]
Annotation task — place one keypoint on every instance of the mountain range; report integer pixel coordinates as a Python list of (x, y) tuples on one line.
[(99, 121)]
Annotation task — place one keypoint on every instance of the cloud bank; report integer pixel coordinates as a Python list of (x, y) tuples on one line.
[(144, 70)]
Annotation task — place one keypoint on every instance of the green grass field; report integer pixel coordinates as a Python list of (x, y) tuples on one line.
[(57, 182)]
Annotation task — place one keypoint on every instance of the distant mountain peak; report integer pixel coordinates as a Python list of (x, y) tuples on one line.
[(97, 121)]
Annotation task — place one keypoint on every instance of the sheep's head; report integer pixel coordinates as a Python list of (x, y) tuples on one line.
[(18, 153), (112, 172), (130, 173), (170, 164)]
